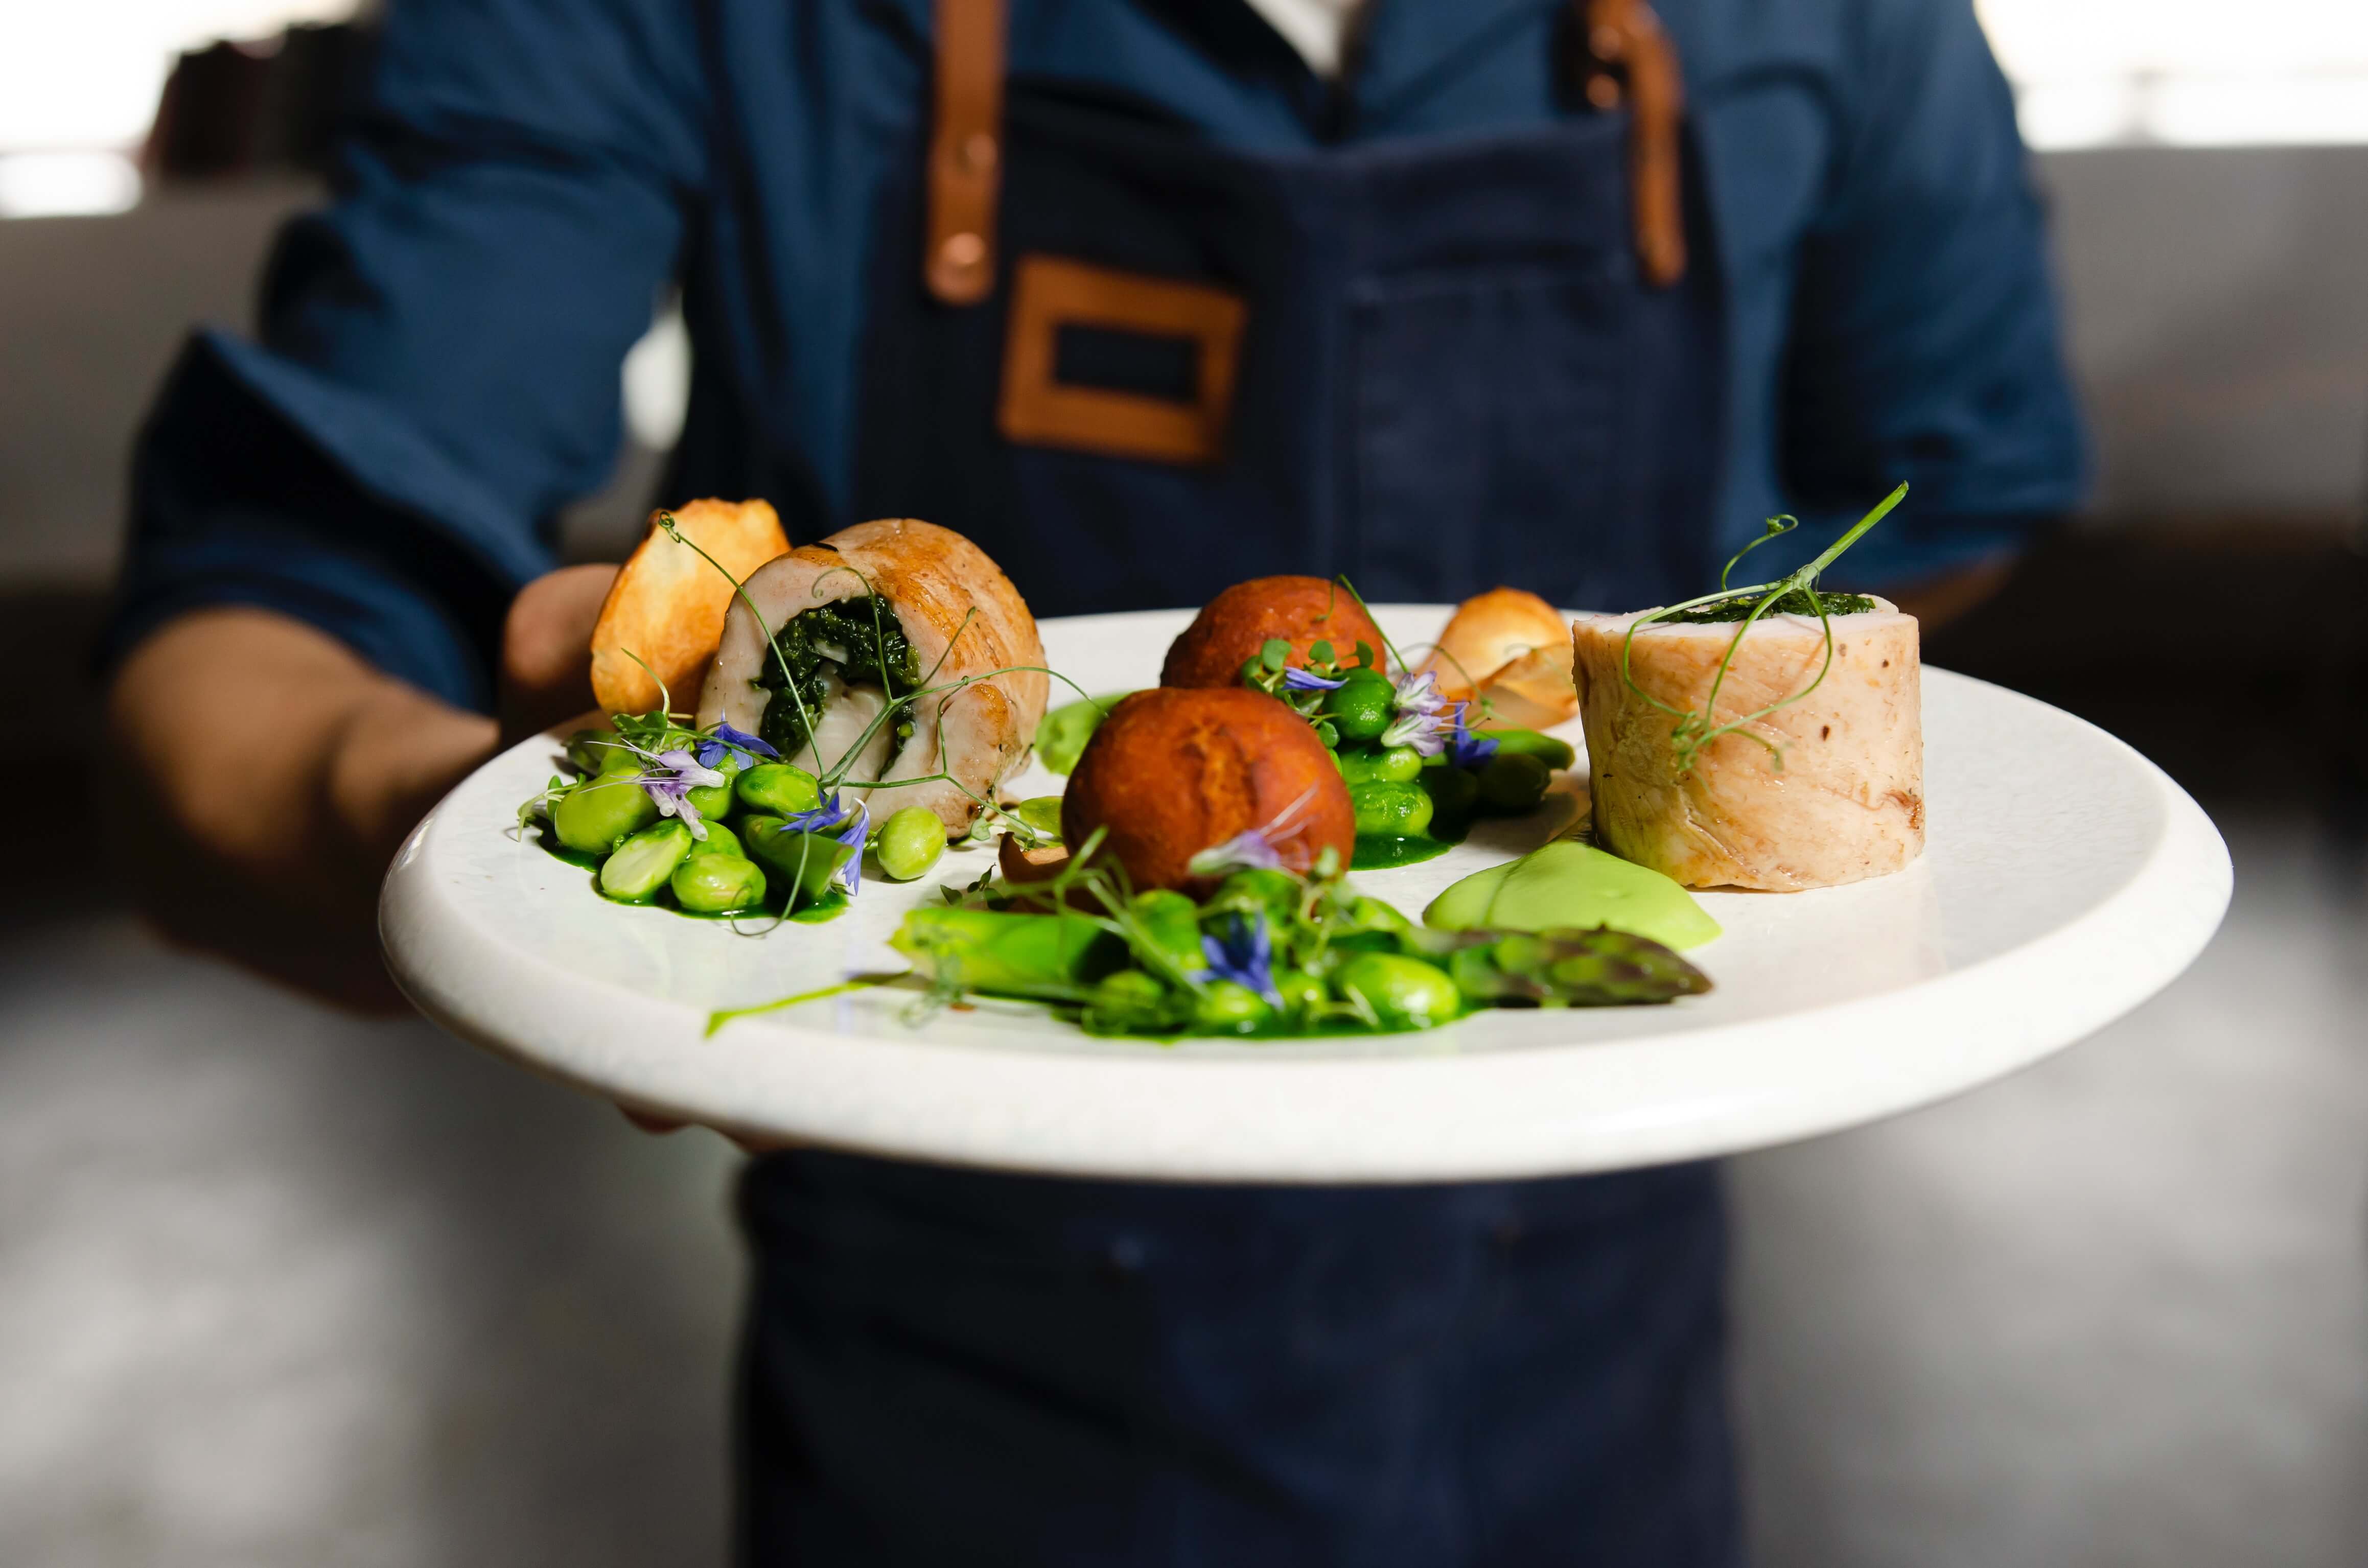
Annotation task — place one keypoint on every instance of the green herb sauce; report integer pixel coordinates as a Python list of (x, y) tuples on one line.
[(1800, 601), (830, 906), (877, 652), (1379, 852)]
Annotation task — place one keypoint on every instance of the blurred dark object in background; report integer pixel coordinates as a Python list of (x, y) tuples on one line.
[(2234, 652), (244, 108)]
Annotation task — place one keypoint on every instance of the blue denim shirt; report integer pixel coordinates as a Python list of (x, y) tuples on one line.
[(436, 374)]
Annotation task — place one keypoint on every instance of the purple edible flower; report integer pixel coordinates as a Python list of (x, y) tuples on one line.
[(1424, 716), (670, 776), (1296, 679), (1465, 749), (1247, 851), (1253, 848), (852, 825), (712, 748), (1244, 956)]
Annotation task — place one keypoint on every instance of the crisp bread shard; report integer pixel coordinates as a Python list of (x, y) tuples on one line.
[(666, 609), (1510, 648)]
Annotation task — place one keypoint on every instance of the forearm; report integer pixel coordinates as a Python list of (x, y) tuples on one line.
[(274, 773), (1936, 601)]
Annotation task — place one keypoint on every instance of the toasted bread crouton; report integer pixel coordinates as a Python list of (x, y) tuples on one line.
[(667, 607), (1507, 646)]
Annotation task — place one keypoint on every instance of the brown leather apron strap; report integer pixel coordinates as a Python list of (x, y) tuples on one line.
[(1627, 55), (965, 152)]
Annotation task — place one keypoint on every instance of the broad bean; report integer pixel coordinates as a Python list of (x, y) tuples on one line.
[(1403, 993), (1398, 810), (600, 813), (1364, 705), (714, 884), (910, 843), (1513, 782), (1226, 1006), (719, 840), (643, 862), (1393, 765), (777, 787)]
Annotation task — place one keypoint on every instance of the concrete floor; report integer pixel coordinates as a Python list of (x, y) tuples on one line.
[(278, 1287)]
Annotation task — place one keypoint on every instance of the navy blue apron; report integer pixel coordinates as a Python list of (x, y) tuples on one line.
[(1446, 372)]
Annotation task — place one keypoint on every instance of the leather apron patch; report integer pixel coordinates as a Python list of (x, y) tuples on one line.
[(1040, 406)]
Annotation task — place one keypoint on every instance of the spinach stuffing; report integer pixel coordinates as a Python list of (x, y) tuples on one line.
[(866, 632)]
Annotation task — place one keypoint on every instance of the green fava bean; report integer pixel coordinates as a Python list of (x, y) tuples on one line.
[(1454, 792), (1131, 1002), (719, 840), (1394, 764), (715, 884), (1226, 1006), (594, 816), (1171, 922), (1391, 810), (1364, 705), (804, 860), (910, 843), (1277, 892), (588, 750), (1301, 993), (1042, 812), (777, 787), (1556, 754), (1402, 992), (716, 800), (643, 863), (1513, 782)]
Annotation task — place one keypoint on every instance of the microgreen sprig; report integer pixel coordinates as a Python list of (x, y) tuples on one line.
[(1696, 729)]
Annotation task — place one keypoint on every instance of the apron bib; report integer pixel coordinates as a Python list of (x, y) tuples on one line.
[(1433, 365)]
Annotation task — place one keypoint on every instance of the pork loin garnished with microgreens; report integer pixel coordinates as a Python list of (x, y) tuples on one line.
[(1768, 737), (893, 659)]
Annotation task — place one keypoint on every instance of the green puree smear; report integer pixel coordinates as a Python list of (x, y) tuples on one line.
[(1570, 884), (866, 632)]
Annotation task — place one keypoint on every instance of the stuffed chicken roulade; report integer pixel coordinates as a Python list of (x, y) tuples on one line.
[(1846, 799), (871, 614)]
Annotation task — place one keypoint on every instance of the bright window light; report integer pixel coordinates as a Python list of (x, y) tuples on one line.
[(83, 75), (2185, 73), (66, 185)]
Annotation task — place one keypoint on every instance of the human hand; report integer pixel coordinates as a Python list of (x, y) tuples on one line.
[(270, 773)]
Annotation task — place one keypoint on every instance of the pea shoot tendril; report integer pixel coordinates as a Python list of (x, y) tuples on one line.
[(1697, 730)]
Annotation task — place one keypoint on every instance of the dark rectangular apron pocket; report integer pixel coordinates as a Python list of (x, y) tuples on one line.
[(1459, 478)]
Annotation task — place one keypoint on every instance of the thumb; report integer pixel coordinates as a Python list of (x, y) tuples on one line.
[(547, 648)]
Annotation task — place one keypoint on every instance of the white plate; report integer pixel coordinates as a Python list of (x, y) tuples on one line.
[(2065, 880)]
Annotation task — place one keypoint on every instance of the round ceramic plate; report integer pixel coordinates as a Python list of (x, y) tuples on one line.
[(2065, 880)]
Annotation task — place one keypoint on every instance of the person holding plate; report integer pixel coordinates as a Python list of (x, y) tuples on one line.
[(1145, 298)]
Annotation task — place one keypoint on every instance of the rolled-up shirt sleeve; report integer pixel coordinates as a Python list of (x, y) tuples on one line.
[(1926, 343), (436, 369)]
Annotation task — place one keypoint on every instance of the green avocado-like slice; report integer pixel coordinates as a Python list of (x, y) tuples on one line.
[(1574, 885)]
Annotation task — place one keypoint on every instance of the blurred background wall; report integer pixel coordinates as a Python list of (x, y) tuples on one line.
[(275, 1287)]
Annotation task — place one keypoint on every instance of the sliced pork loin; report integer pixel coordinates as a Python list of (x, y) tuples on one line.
[(1848, 801), (962, 617)]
